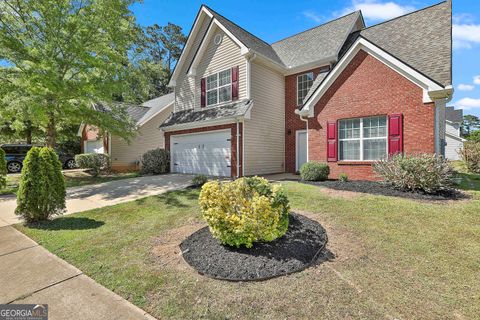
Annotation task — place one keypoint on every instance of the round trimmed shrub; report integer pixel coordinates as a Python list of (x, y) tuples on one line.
[(3, 169), (424, 172), (41, 192), (199, 180), (314, 171), (244, 211), (156, 161), (96, 162), (343, 177)]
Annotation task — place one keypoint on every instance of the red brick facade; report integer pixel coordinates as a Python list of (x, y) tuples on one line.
[(292, 120), (233, 139), (367, 87)]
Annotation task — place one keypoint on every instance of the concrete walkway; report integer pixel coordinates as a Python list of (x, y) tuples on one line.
[(104, 194), (29, 274)]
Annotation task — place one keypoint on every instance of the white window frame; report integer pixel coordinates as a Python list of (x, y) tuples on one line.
[(217, 89), (361, 138), (301, 75)]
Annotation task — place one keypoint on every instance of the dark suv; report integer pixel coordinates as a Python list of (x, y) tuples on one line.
[(16, 153)]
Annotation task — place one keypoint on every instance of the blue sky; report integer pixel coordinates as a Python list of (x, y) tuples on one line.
[(274, 20)]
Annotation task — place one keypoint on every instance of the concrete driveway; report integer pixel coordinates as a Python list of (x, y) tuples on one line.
[(104, 194)]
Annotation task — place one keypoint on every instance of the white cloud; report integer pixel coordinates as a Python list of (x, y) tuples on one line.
[(466, 35), (476, 79), (468, 103), (465, 87), (375, 10), (312, 15)]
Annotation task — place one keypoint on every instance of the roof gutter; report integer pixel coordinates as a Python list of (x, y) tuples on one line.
[(444, 93)]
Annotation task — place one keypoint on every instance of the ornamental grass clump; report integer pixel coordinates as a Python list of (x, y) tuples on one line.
[(471, 156), (427, 173), (244, 211), (41, 192)]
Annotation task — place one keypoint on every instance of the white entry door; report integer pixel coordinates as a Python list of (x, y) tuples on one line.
[(301, 152), (202, 153), (94, 146)]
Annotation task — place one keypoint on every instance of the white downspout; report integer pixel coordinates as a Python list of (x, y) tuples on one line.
[(238, 149), (306, 127)]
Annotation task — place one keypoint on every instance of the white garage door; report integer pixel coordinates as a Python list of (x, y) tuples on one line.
[(202, 153), (94, 146)]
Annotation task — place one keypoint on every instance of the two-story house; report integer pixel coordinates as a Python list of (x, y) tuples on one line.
[(340, 93)]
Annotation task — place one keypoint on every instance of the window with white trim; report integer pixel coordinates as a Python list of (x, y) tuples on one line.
[(304, 83), (219, 87), (362, 138)]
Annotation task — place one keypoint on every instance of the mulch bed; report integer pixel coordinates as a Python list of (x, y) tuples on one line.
[(295, 251), (379, 188)]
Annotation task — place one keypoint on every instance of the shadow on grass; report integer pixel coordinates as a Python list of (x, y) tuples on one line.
[(67, 223), (175, 198)]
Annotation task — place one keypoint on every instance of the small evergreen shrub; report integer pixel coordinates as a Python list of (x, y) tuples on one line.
[(244, 211), (471, 156), (156, 161), (96, 162), (425, 172), (343, 177), (199, 180), (3, 169), (41, 191), (314, 171)]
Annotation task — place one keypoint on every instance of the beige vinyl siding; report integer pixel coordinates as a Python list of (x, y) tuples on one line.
[(217, 58), (265, 130), (149, 137), (184, 91)]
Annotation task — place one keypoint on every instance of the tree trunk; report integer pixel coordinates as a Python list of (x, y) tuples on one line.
[(51, 131), (28, 135)]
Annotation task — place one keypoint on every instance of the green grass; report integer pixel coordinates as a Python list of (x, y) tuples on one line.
[(71, 180), (466, 180), (394, 258)]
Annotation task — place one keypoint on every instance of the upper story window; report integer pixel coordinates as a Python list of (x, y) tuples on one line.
[(362, 138), (304, 82), (219, 87)]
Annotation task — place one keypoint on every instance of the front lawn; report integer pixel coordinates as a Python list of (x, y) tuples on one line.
[(74, 178), (389, 258)]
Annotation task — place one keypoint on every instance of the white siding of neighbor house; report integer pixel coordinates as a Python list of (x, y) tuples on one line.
[(184, 91), (265, 130), (221, 57), (453, 141), (148, 137)]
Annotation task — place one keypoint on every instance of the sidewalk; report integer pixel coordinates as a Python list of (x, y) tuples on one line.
[(30, 274), (104, 194)]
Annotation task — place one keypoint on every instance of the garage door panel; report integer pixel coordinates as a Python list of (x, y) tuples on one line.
[(207, 153)]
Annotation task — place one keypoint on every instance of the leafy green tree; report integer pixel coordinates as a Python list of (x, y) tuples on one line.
[(62, 57), (152, 62), (474, 136), (470, 123), (41, 192), (3, 169)]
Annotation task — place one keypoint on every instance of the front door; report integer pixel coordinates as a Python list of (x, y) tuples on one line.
[(301, 152)]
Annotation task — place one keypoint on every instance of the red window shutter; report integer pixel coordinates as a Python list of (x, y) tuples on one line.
[(331, 141), (395, 133), (203, 97), (235, 83)]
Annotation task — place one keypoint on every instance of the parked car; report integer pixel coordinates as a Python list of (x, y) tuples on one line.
[(16, 153)]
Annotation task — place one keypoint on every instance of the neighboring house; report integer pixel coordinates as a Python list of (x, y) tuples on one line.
[(127, 156), (453, 139), (339, 93)]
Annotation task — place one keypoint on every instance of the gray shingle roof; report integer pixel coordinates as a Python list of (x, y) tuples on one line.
[(421, 39), (135, 112), (454, 115), (231, 110), (318, 43), (156, 105)]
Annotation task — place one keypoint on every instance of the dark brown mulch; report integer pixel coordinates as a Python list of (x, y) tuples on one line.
[(379, 188), (299, 248)]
